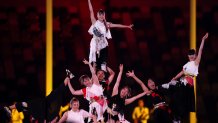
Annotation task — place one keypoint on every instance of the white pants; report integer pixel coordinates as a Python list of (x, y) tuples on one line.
[(99, 110), (96, 45)]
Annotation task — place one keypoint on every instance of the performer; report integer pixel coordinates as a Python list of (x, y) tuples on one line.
[(140, 113), (16, 117), (185, 91), (161, 112), (100, 29), (76, 115), (105, 82), (43, 109), (119, 100), (93, 92)]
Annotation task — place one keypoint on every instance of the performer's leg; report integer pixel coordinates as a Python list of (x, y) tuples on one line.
[(99, 110), (98, 61), (55, 99), (92, 52), (90, 112), (191, 99), (102, 60)]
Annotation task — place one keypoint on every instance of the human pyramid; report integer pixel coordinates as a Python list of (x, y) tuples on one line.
[(109, 108)]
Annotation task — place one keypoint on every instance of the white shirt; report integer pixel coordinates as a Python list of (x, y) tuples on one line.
[(101, 28), (94, 90), (190, 68), (98, 43), (101, 104), (77, 116)]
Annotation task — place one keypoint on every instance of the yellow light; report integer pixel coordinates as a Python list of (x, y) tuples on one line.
[(49, 47), (193, 116)]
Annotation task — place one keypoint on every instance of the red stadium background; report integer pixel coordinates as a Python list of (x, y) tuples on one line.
[(156, 47)]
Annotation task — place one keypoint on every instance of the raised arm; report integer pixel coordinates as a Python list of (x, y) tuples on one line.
[(132, 99), (117, 84), (132, 74), (178, 75), (92, 16), (74, 92), (92, 70), (198, 59), (111, 76), (111, 25)]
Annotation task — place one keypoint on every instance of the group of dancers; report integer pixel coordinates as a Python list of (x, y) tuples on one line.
[(109, 107)]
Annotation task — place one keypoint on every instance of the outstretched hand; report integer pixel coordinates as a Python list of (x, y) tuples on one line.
[(205, 36), (66, 80), (85, 61), (121, 67), (130, 26), (130, 73)]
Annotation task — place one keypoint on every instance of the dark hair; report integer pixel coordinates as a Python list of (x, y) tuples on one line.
[(191, 52), (82, 78), (129, 90), (146, 83), (101, 12), (97, 70)]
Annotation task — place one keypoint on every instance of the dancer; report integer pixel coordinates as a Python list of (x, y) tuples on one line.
[(100, 29), (43, 109), (120, 99), (93, 92), (76, 115), (105, 82), (160, 113), (185, 91)]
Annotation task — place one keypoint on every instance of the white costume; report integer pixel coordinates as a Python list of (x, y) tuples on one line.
[(94, 95), (98, 43), (77, 116), (190, 70)]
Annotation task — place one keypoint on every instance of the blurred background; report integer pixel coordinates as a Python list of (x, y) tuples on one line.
[(157, 46)]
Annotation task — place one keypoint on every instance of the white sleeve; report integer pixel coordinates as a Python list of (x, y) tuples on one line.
[(91, 30), (85, 114), (184, 66)]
